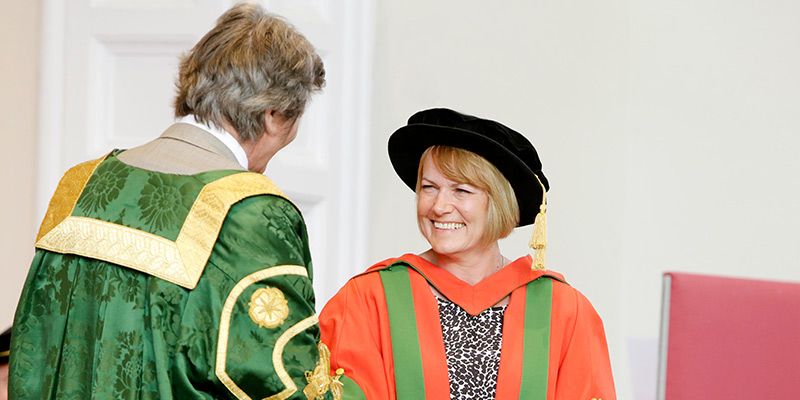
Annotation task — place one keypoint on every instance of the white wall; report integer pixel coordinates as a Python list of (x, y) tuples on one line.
[(668, 130), (19, 44)]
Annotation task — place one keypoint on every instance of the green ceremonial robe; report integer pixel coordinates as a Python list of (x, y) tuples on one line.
[(149, 285)]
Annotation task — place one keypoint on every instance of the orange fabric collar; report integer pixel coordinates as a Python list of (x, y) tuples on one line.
[(473, 299)]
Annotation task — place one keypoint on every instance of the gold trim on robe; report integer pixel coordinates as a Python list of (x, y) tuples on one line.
[(180, 262), (67, 192)]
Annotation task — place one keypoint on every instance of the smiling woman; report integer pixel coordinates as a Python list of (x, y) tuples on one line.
[(460, 320), (455, 184)]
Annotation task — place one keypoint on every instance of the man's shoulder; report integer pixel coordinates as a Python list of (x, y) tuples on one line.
[(66, 194), (250, 197), (264, 218), (156, 233)]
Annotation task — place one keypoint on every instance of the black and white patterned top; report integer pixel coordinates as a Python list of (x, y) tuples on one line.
[(472, 345)]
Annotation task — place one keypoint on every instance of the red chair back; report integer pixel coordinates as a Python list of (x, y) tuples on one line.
[(727, 338)]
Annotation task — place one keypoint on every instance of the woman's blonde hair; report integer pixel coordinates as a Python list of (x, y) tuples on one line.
[(464, 166)]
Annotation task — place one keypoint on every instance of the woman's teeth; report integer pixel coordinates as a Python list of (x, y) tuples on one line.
[(448, 225)]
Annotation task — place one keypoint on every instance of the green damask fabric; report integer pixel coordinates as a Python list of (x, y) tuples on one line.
[(86, 328)]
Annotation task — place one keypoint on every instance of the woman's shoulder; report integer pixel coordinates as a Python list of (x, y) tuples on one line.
[(361, 295), (381, 265), (370, 274), (368, 284), (569, 301)]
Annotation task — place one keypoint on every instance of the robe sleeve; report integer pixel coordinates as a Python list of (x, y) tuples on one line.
[(355, 332), (267, 333), (585, 371)]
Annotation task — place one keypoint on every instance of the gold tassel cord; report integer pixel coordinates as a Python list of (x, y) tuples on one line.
[(539, 238)]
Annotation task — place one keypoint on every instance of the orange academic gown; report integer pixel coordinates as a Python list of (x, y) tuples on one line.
[(355, 325)]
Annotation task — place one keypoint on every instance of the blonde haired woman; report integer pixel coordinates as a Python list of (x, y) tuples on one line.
[(460, 320)]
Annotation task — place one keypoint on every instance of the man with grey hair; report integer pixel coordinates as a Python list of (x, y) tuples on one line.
[(176, 269)]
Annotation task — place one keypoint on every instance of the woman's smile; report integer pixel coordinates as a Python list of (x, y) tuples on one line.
[(448, 226)]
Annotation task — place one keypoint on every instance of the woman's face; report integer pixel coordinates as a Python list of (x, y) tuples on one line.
[(452, 216)]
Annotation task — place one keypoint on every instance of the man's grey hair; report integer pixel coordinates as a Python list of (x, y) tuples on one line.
[(250, 62)]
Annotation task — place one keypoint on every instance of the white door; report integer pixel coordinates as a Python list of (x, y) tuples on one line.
[(108, 68)]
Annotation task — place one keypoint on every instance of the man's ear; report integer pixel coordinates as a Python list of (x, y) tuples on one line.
[(274, 122)]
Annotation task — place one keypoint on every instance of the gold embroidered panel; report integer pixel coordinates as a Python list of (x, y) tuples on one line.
[(180, 262), (280, 344), (67, 192), (133, 248)]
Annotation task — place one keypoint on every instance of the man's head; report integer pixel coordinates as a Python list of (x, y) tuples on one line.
[(251, 65)]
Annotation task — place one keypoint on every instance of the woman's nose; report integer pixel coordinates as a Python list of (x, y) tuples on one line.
[(442, 204)]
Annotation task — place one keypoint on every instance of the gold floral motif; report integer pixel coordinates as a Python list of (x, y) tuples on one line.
[(319, 382), (268, 307), (180, 262)]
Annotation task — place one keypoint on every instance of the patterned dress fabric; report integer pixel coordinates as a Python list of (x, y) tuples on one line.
[(86, 328), (472, 345)]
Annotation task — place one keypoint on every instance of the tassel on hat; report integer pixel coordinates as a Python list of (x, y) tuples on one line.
[(539, 238)]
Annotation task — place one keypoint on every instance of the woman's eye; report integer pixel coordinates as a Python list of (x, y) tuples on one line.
[(463, 190)]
